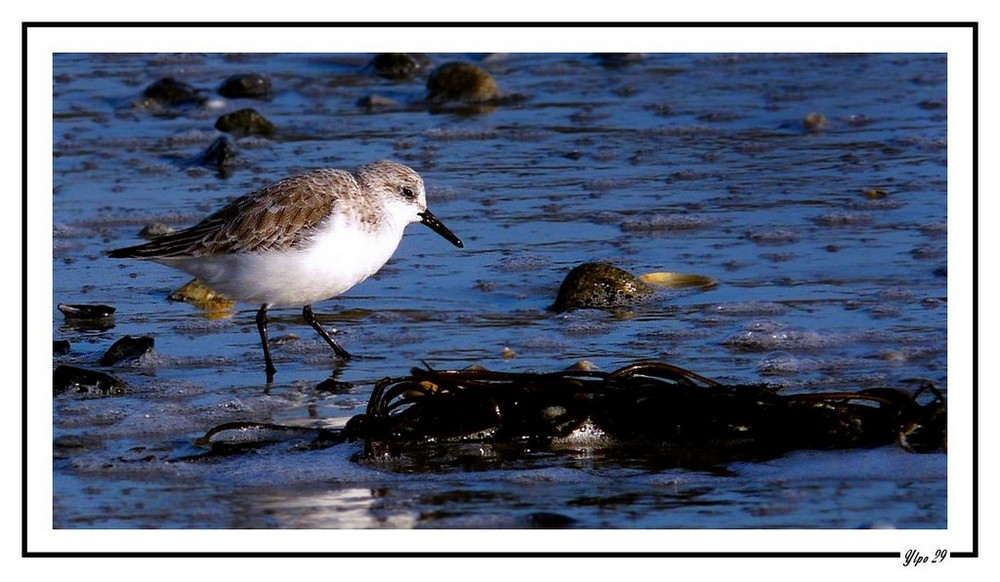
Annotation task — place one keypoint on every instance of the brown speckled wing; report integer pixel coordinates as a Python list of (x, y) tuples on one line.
[(280, 216)]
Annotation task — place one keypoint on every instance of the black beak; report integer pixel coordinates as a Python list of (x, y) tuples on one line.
[(434, 224)]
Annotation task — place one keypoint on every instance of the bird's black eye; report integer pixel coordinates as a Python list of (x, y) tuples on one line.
[(408, 192)]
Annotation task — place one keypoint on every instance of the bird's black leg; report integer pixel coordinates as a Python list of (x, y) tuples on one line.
[(310, 317), (262, 328)]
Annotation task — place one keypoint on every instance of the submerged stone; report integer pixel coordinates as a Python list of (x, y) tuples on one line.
[(60, 347), (399, 66), (70, 379), (814, 122), (220, 154), (600, 286), (334, 386), (171, 92), (582, 366), (245, 122), (126, 348), (251, 85), (463, 82)]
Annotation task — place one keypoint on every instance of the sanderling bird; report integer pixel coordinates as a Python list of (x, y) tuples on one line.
[(303, 239)]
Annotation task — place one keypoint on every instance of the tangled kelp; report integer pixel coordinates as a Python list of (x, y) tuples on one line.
[(661, 409)]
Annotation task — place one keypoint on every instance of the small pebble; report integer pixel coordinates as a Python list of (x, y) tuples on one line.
[(285, 339), (156, 229), (583, 366), (875, 194), (814, 122)]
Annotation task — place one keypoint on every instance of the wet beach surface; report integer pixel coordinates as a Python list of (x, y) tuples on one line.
[(826, 235)]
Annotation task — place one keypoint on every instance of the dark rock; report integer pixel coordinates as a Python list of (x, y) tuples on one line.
[(462, 82), (334, 386), (250, 85), (60, 347), (600, 286), (399, 66), (221, 154), (82, 311), (65, 446), (245, 122), (171, 92), (127, 348), (70, 379)]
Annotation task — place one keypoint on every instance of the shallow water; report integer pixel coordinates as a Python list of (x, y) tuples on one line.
[(689, 163)]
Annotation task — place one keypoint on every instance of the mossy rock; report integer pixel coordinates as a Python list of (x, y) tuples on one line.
[(245, 122), (220, 154), (399, 66), (600, 286), (249, 85), (171, 92), (462, 82)]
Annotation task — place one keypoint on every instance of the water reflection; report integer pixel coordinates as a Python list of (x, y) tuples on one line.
[(350, 507)]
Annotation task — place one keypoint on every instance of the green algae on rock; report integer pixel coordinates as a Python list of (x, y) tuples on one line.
[(600, 286), (245, 122), (172, 93), (250, 85), (221, 155), (215, 305), (399, 66), (814, 122), (462, 82)]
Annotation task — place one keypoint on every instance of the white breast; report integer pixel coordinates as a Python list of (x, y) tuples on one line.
[(338, 258)]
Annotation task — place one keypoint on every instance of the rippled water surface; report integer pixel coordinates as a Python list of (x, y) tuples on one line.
[(829, 247)]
